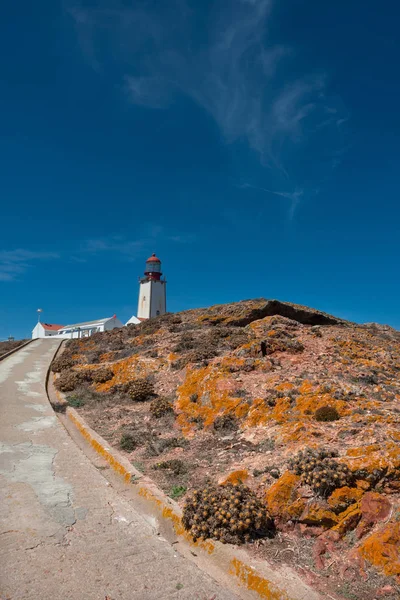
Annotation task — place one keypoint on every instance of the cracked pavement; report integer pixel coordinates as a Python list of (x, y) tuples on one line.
[(65, 532)]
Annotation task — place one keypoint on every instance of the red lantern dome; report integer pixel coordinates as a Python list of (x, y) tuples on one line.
[(153, 267)]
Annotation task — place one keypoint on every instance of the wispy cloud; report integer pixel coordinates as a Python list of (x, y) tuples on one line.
[(153, 235), (236, 76), (14, 263), (225, 61), (293, 197), (130, 250)]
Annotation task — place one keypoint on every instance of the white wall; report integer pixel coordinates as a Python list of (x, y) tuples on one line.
[(40, 332), (152, 299), (86, 330), (112, 324), (37, 331), (158, 303), (144, 300)]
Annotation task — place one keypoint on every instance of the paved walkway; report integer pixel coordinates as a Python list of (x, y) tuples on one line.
[(65, 533)]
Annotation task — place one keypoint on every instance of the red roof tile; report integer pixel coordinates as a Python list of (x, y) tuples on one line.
[(51, 327)]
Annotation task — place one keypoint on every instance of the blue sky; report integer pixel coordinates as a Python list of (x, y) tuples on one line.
[(253, 144)]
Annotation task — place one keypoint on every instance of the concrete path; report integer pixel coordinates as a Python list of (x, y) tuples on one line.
[(65, 533)]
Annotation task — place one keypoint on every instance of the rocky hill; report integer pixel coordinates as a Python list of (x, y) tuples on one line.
[(294, 411)]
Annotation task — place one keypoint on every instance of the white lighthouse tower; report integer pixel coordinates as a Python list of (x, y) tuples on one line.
[(152, 291)]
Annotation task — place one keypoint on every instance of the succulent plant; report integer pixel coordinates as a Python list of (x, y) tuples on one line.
[(230, 513), (320, 470), (140, 390), (326, 413), (161, 406)]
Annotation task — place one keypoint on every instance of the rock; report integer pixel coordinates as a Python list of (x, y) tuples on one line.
[(324, 543), (283, 500), (316, 513), (247, 311), (342, 497), (374, 508), (348, 520), (205, 399), (385, 590), (311, 531), (382, 549)]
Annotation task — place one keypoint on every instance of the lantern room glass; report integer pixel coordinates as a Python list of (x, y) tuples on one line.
[(153, 267)]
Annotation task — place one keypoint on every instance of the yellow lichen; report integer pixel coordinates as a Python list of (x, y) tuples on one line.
[(282, 500), (239, 476), (382, 549)]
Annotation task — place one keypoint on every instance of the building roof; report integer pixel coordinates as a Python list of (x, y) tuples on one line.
[(133, 320), (153, 258), (96, 322), (50, 327)]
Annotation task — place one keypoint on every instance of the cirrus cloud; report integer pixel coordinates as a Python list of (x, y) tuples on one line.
[(222, 57), (14, 263)]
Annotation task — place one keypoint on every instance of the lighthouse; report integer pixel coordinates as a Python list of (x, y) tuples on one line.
[(152, 291)]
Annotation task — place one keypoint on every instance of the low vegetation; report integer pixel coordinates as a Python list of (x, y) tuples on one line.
[(291, 412), (8, 346), (230, 513)]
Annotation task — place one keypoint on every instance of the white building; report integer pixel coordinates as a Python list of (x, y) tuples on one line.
[(42, 330), (152, 292), (133, 321), (152, 303), (88, 328)]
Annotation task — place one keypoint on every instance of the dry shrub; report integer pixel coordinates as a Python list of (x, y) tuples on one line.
[(62, 362), (9, 345), (69, 380), (128, 442), (232, 514), (175, 465), (140, 390), (186, 342), (226, 422), (93, 358), (102, 375), (326, 414), (158, 445), (161, 406)]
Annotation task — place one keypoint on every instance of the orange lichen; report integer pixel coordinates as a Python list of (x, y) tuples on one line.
[(239, 476), (226, 363), (126, 370), (282, 499), (316, 514), (306, 387), (342, 497), (250, 579), (362, 451), (382, 549), (374, 456), (213, 399), (348, 519), (284, 387)]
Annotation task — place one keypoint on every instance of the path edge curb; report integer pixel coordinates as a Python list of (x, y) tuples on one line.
[(248, 573)]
